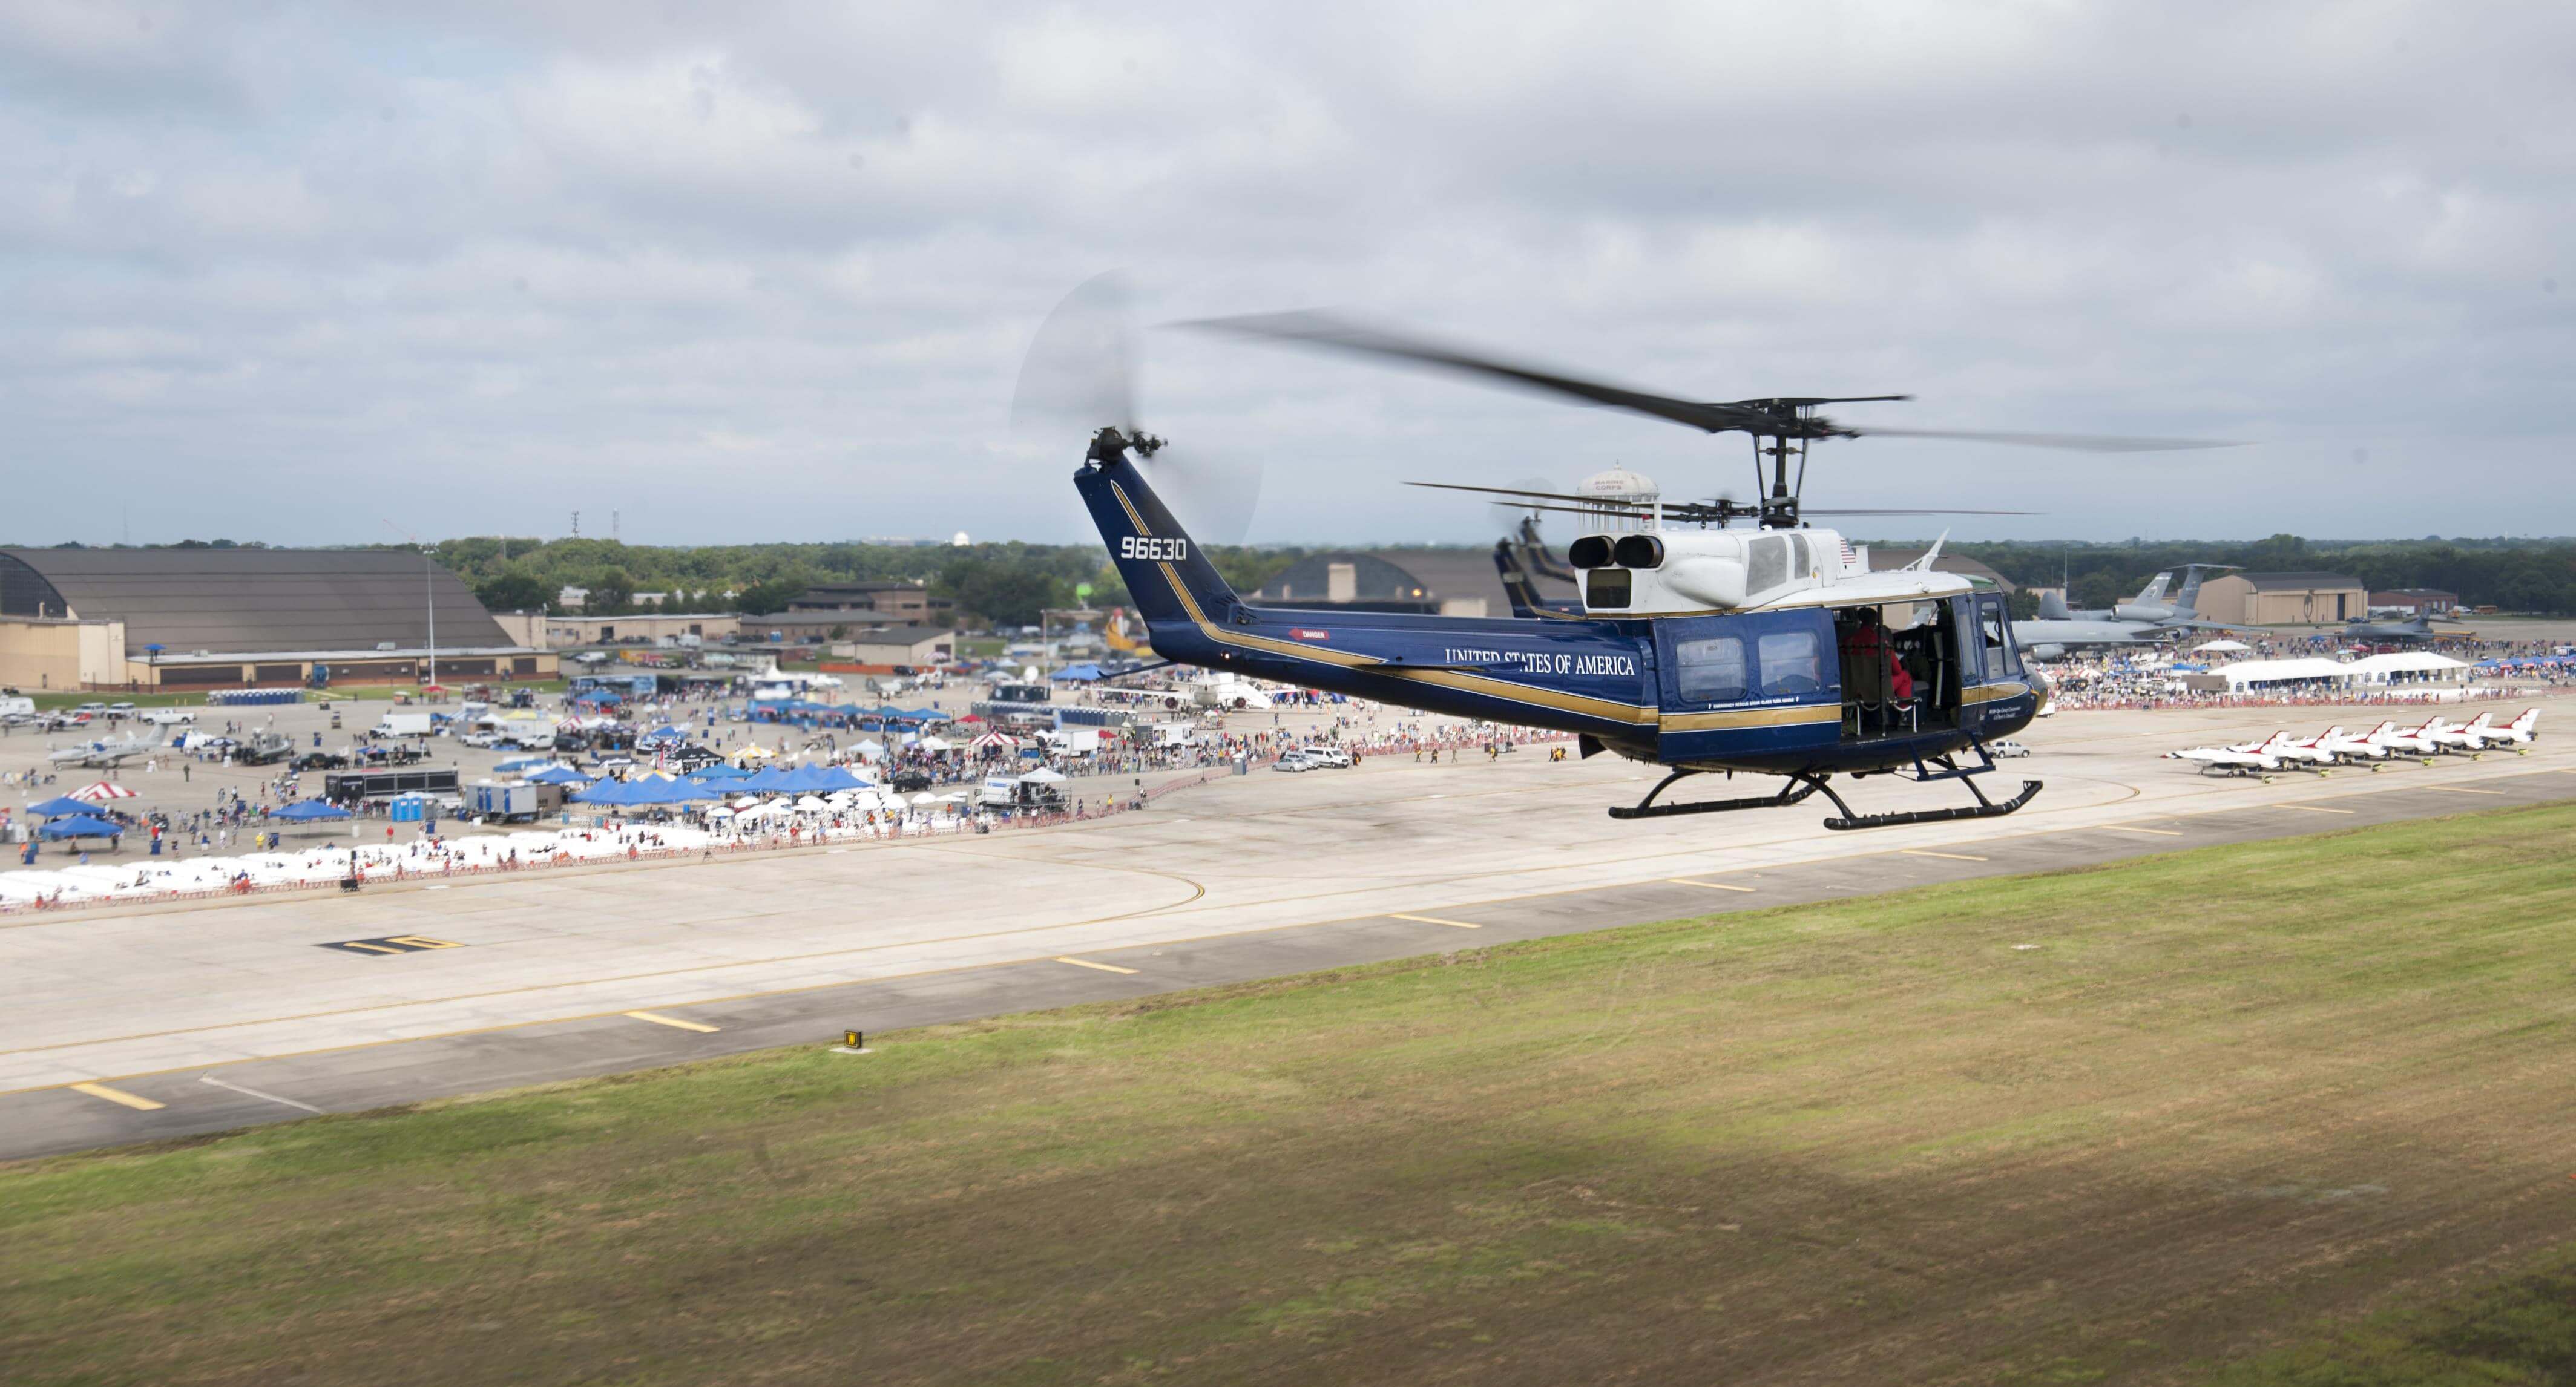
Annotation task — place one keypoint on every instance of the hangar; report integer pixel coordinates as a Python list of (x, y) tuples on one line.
[(2276, 599), (201, 617)]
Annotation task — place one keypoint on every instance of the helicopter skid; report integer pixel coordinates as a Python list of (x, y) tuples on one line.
[(1646, 808), (1984, 808)]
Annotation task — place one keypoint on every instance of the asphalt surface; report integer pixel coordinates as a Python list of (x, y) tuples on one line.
[(1191, 943)]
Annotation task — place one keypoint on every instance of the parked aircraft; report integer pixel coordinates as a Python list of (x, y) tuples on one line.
[(2416, 742), (2142, 620), (2148, 605), (2522, 731), (111, 752), (2349, 747), (2251, 758), (2382, 632)]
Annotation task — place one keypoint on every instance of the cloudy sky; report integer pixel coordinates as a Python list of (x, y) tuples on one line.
[(748, 271)]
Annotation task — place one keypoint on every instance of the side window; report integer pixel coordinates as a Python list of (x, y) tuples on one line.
[(1991, 626), (1766, 563), (1712, 670), (1798, 555), (1792, 663)]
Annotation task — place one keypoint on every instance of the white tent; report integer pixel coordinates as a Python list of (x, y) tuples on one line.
[(2222, 647), (2312, 670), (1044, 776), (935, 744)]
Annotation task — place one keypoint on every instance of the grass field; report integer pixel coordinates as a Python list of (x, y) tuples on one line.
[(2284, 1112)]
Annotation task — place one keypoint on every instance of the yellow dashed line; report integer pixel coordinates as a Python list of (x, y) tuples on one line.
[(2459, 789), (117, 1095), (2311, 808), (1435, 920), (1710, 885), (1953, 856), (1103, 967), (659, 1019), (2133, 828)]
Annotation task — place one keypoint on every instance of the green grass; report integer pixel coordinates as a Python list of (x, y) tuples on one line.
[(2248, 1110)]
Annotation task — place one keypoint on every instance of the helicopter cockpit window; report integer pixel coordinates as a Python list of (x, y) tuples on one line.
[(1798, 555), (1712, 671), (1766, 563), (1792, 663), (1999, 653)]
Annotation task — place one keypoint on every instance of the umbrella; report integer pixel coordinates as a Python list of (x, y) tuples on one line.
[(103, 790), (60, 804), (81, 826), (304, 810)]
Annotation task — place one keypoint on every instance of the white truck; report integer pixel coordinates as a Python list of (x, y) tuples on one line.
[(169, 717), (17, 706), (402, 724)]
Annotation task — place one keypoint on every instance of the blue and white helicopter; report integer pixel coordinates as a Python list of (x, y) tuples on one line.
[(1700, 648)]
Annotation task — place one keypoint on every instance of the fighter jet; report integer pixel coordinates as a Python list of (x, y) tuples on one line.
[(2364, 630), (2311, 754), (2473, 736), (2520, 732), (2251, 758), (105, 753), (2364, 747), (2416, 742)]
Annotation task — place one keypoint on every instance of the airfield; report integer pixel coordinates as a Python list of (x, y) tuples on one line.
[(129, 1024)]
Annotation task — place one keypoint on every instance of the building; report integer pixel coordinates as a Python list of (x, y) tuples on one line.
[(891, 600), (2415, 601), (2283, 599), (557, 631), (136, 619), (1888, 560), (916, 646), (1449, 581)]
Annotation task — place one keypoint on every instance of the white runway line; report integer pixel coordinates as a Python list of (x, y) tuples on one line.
[(255, 1093)]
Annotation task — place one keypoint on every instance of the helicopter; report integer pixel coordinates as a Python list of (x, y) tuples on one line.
[(1696, 647)]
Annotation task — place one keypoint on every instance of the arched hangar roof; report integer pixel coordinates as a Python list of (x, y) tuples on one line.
[(247, 600)]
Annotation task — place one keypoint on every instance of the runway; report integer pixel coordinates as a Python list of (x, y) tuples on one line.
[(160, 1022)]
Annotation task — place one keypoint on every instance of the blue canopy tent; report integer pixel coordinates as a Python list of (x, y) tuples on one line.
[(1080, 674), (718, 771), (557, 775), (816, 780), (766, 778), (309, 810), (659, 735), (521, 763), (80, 826), (60, 805), (674, 792), (610, 792)]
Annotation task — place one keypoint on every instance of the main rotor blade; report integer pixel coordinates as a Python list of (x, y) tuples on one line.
[(1514, 491), (1938, 510), (1213, 496), (2079, 442), (1318, 329), (1080, 370)]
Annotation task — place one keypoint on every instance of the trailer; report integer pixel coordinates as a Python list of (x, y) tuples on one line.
[(340, 787), (506, 803)]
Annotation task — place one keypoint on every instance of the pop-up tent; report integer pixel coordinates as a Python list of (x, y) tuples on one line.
[(80, 826), (309, 810)]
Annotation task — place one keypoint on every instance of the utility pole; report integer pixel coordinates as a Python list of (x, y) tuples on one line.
[(428, 593), (576, 524)]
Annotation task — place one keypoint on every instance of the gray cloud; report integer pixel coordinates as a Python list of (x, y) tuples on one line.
[(765, 271)]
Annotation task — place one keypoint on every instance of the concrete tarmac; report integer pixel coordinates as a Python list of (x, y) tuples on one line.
[(160, 1022)]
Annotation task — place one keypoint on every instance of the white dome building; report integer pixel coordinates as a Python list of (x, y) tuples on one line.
[(1618, 488)]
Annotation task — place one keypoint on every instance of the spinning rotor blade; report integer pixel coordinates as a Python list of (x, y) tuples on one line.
[(1321, 330), (1080, 370), (2077, 442), (1213, 496), (1080, 376), (1939, 510)]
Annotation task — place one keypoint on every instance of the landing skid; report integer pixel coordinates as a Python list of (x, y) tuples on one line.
[(1796, 790), (1800, 786)]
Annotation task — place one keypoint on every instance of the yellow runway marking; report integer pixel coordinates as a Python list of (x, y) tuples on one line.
[(659, 1019), (1436, 920), (2313, 809), (1953, 856), (1711, 885), (2133, 828), (117, 1095), (2460, 789), (370, 948), (1103, 967)]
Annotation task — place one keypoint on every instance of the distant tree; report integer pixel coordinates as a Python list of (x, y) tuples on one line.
[(613, 591), (513, 590), (761, 599)]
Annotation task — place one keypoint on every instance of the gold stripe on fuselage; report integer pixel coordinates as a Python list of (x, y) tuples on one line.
[(1795, 716)]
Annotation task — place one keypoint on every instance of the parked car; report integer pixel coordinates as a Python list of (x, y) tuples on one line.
[(320, 761), (1293, 761), (910, 782), (480, 738), (1326, 757), (2006, 749)]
